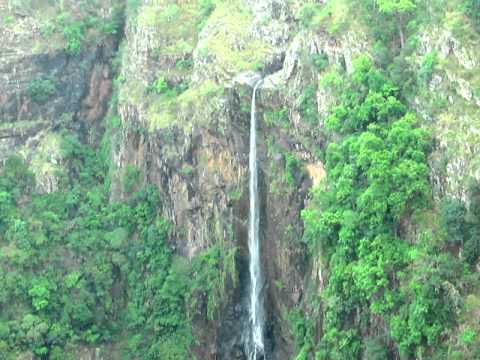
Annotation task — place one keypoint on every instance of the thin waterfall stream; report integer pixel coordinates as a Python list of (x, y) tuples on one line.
[(255, 348)]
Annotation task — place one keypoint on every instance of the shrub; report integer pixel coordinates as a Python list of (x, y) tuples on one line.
[(471, 249), (210, 270), (308, 13), (184, 64), (376, 349), (426, 69), (308, 105), (41, 89), (332, 16), (159, 86), (377, 175), (453, 214), (292, 168), (16, 178), (472, 9), (320, 61), (206, 7), (131, 178), (73, 35), (277, 118)]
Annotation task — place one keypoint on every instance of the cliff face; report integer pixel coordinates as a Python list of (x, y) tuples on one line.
[(183, 97), (44, 87), (195, 147)]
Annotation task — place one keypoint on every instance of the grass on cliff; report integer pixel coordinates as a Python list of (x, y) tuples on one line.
[(335, 16), (68, 24), (229, 46), (179, 23), (193, 106)]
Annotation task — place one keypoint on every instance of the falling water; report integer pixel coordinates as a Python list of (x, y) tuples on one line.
[(254, 343)]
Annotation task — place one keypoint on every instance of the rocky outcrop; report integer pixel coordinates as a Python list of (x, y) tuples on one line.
[(450, 106)]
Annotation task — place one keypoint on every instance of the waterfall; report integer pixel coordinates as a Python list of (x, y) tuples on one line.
[(254, 342)]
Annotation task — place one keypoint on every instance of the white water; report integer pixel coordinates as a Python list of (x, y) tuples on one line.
[(254, 344)]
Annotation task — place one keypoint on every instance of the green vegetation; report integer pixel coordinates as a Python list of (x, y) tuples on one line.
[(333, 16), (472, 9), (288, 169), (161, 87), (230, 43), (63, 24), (461, 225), (308, 105), (180, 24), (73, 32), (292, 169), (378, 180), (211, 270), (131, 177), (93, 264), (302, 330), (42, 89), (60, 301), (277, 118), (77, 31), (426, 69), (76, 268), (320, 61), (184, 107)]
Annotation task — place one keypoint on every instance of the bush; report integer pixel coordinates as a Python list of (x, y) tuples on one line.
[(41, 89), (471, 249), (277, 118), (308, 13), (453, 214), (376, 349), (308, 107), (184, 64), (377, 175), (16, 178), (472, 9), (402, 75), (426, 69), (73, 35), (320, 61), (131, 178), (159, 86), (84, 298), (206, 7), (292, 168)]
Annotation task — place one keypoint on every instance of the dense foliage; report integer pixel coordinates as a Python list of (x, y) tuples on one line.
[(472, 9), (76, 268), (67, 254), (360, 224)]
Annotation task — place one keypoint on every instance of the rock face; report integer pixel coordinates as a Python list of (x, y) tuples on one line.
[(199, 161), (452, 111), (44, 88)]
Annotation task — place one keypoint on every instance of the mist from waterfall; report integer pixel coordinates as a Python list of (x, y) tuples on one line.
[(255, 348)]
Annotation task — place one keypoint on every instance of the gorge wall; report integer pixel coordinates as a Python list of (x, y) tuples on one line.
[(178, 76)]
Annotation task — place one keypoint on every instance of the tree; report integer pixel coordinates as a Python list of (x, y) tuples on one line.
[(377, 176), (399, 8)]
